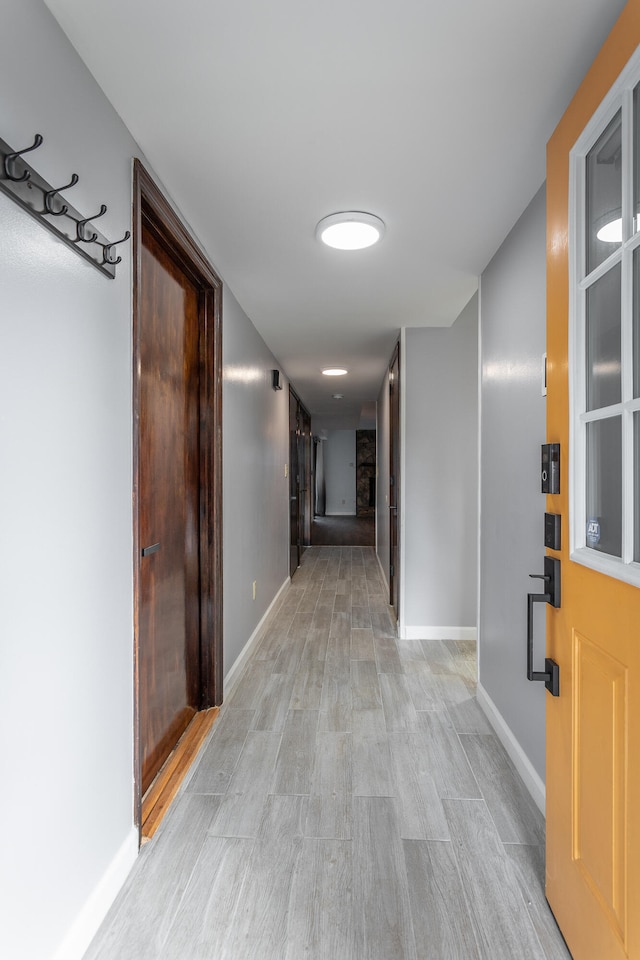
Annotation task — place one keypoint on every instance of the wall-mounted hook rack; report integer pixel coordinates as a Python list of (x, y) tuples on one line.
[(32, 192), (10, 158), (48, 198), (81, 226), (109, 246)]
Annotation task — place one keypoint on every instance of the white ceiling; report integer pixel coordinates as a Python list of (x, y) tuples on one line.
[(263, 117)]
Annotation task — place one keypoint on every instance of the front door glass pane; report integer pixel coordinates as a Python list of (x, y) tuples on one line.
[(604, 486), (636, 322), (636, 159), (636, 485), (603, 341), (604, 195)]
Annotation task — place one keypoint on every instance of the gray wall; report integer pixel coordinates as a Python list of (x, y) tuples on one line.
[(340, 472), (513, 309), (66, 605), (382, 475), (255, 489), (440, 475)]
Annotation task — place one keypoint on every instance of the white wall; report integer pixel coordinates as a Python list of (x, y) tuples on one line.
[(66, 601), (340, 472), (440, 479), (513, 309)]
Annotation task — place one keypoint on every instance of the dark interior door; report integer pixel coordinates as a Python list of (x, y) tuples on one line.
[(300, 480), (306, 478), (294, 485), (394, 477), (169, 504), (177, 480)]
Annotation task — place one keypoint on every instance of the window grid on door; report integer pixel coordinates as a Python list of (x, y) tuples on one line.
[(604, 332)]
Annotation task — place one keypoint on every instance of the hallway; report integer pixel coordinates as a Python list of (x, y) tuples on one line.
[(351, 803)]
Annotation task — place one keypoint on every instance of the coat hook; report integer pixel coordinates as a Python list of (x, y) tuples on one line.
[(81, 235), (11, 157), (50, 194), (106, 256)]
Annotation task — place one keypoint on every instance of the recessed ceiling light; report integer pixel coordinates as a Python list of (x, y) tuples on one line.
[(334, 372), (350, 230), (338, 396)]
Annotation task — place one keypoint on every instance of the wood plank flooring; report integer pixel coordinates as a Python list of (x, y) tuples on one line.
[(350, 803)]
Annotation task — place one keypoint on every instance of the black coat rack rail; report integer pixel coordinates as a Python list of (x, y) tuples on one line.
[(45, 203)]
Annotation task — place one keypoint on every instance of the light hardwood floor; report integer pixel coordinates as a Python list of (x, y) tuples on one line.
[(351, 803)]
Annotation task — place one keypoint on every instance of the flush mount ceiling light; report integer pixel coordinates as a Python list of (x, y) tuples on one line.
[(334, 372), (338, 396), (350, 230), (611, 232)]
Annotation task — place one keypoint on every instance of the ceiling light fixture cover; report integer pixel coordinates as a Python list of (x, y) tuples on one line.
[(334, 372), (350, 230)]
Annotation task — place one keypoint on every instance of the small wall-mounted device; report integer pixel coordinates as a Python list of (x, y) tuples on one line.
[(550, 468), (552, 531), (276, 380)]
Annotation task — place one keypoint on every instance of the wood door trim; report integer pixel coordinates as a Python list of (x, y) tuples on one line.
[(152, 208), (158, 797)]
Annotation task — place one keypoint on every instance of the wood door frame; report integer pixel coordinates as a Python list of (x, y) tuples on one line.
[(152, 208)]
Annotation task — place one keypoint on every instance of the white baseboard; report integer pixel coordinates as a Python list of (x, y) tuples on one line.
[(532, 781), (438, 633), (86, 924), (239, 664)]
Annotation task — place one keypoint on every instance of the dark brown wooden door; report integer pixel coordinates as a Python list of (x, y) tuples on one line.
[(169, 601), (306, 478), (177, 480), (394, 477), (294, 485), (300, 480)]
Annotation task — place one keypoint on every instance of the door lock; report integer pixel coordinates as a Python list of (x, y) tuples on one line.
[(551, 576)]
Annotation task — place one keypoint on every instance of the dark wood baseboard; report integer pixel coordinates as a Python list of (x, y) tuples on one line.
[(158, 797)]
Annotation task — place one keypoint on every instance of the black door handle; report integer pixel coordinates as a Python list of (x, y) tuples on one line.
[(551, 673)]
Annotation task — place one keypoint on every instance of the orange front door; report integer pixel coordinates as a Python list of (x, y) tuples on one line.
[(593, 727)]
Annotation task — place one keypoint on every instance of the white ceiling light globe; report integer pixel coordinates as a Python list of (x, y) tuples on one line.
[(350, 230)]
